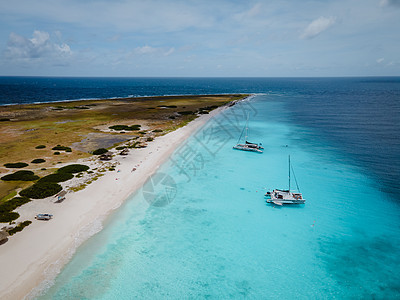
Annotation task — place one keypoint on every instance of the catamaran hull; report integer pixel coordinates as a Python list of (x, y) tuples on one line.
[(280, 201), (247, 149)]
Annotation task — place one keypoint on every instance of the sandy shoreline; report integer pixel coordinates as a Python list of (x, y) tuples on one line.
[(27, 257)]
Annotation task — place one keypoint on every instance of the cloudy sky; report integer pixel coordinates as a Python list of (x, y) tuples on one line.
[(264, 38)]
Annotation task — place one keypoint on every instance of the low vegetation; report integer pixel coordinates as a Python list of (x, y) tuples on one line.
[(74, 168), (100, 151), (40, 147), (57, 177), (20, 176), (187, 112), (19, 227), (6, 209), (62, 148), (125, 127), (167, 106), (8, 217), (41, 190), (38, 161), (17, 165)]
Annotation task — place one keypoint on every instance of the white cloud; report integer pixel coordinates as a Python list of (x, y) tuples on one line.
[(169, 52), (123, 15), (147, 50), (38, 47), (379, 60), (317, 26), (140, 37)]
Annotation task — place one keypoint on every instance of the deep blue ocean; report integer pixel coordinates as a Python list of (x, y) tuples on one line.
[(200, 228)]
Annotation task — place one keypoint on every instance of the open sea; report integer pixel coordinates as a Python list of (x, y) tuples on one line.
[(200, 227)]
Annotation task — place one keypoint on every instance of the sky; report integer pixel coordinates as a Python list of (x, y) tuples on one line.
[(202, 38)]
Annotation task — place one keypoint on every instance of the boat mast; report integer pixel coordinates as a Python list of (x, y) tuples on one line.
[(289, 172), (247, 128)]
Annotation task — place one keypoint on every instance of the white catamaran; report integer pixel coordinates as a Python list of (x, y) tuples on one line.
[(248, 146), (280, 197)]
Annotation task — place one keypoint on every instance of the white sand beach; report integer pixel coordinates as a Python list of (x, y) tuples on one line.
[(40, 250)]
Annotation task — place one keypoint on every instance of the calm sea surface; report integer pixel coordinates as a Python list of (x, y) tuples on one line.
[(201, 228)]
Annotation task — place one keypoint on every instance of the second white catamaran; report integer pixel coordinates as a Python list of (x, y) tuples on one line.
[(248, 146), (280, 197)]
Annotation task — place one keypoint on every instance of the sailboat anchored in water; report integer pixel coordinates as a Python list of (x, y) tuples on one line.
[(280, 197), (248, 146)]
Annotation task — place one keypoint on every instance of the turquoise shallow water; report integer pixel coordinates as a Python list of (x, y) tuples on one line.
[(210, 234)]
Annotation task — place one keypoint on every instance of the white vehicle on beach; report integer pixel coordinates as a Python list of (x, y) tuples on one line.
[(44, 217)]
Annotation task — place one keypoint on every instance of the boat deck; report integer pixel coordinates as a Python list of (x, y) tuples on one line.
[(285, 197), (245, 147)]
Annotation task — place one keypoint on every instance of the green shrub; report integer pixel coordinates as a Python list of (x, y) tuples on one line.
[(125, 127), (75, 168), (150, 139), (157, 130), (6, 209), (56, 153), (40, 147), (61, 148), (142, 132), (168, 106), (57, 177), (12, 204), (20, 176), (187, 112), (4, 119), (68, 150), (100, 151), (17, 165), (19, 227), (7, 217), (210, 107), (120, 148), (38, 161), (41, 190)]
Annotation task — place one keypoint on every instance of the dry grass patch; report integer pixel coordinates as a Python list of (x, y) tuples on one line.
[(66, 123)]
